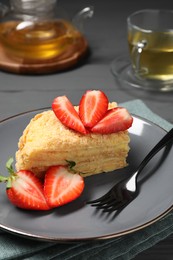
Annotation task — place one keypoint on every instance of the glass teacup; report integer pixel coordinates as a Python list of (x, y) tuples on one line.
[(150, 40)]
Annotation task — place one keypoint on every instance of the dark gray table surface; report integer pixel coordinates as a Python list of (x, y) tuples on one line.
[(107, 36)]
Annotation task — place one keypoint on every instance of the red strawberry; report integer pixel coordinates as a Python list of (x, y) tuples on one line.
[(116, 119), (61, 186), (92, 108), (66, 113), (24, 189)]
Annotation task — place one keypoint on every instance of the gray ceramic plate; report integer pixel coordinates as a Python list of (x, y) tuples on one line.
[(77, 221)]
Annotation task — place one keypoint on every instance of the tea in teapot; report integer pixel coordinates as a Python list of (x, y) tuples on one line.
[(31, 33)]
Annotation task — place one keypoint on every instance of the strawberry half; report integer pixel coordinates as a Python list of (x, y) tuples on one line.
[(24, 189), (66, 113), (61, 186), (92, 108), (116, 119)]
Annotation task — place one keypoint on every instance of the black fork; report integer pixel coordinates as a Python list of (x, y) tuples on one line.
[(126, 190)]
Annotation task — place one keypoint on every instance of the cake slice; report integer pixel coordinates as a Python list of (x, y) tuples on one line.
[(46, 142)]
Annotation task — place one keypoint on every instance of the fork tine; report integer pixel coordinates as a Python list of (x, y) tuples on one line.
[(103, 203), (95, 201), (111, 203), (102, 198), (117, 206), (111, 209)]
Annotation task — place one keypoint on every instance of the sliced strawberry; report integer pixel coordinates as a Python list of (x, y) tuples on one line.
[(25, 190), (61, 186), (116, 119), (92, 108), (66, 113)]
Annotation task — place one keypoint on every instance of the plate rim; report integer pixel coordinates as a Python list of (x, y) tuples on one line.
[(18, 232), (45, 238)]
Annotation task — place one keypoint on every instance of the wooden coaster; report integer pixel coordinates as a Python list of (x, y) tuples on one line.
[(63, 62)]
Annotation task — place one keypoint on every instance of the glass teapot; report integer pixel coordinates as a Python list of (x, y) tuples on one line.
[(30, 30)]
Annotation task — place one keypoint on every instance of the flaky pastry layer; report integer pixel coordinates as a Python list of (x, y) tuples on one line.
[(46, 142)]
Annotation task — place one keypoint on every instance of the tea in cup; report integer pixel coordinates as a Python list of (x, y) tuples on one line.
[(150, 40)]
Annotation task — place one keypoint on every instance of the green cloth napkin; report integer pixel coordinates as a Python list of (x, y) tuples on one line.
[(125, 247)]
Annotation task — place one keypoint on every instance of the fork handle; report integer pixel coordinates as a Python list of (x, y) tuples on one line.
[(168, 138)]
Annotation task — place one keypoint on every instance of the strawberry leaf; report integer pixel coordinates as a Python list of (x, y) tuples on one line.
[(3, 179), (71, 164), (9, 184), (9, 165)]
